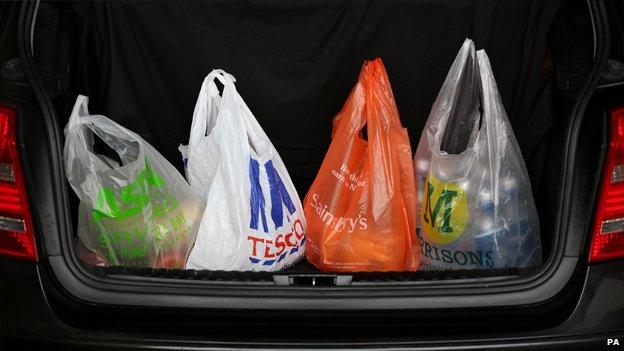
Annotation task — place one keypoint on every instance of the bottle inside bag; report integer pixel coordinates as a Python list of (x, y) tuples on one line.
[(476, 206)]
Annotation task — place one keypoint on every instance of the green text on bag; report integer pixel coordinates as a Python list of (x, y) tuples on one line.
[(132, 198), (124, 236), (446, 220)]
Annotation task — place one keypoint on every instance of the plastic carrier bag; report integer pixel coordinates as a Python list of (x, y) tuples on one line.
[(253, 219), (361, 208), (138, 213), (477, 209), (87, 255)]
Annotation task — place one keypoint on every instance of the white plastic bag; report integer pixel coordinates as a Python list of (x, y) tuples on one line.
[(477, 209), (138, 213), (253, 219)]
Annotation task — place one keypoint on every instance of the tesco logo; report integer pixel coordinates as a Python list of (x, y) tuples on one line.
[(271, 251)]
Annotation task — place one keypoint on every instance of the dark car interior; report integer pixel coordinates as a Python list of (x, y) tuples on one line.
[(558, 69), (142, 65)]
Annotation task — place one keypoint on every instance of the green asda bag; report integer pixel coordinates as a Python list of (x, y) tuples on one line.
[(138, 213)]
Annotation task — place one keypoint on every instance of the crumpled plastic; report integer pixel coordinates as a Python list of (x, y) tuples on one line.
[(361, 208), (254, 219), (476, 206), (138, 212)]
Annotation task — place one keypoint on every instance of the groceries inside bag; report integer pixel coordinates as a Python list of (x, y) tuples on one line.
[(140, 212), (361, 208), (476, 209), (253, 218)]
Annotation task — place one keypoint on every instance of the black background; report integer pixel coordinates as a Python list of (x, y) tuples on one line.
[(142, 64)]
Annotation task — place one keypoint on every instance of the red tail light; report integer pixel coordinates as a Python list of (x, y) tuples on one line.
[(608, 237), (17, 238)]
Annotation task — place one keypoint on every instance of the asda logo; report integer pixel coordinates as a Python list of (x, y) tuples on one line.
[(444, 211), (132, 199), (129, 219)]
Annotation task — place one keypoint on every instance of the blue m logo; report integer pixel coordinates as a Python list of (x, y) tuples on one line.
[(279, 196)]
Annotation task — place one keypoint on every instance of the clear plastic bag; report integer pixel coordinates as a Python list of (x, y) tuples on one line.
[(253, 219), (476, 206), (138, 213), (88, 256)]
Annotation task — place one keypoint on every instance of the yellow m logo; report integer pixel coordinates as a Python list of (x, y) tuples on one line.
[(444, 211)]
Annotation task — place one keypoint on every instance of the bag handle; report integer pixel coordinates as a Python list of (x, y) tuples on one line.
[(76, 134), (225, 78), (257, 139), (448, 97), (81, 108), (494, 120), (367, 106), (81, 127), (492, 104), (463, 116), (376, 81), (203, 108)]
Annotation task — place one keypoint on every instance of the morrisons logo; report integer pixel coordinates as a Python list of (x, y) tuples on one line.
[(444, 211)]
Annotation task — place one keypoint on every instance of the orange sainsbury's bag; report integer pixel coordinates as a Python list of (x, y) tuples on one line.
[(361, 208)]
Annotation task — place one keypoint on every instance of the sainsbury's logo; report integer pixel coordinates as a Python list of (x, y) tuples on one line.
[(338, 223), (271, 251)]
